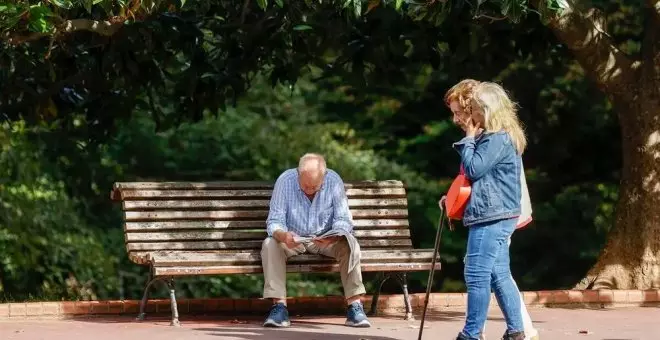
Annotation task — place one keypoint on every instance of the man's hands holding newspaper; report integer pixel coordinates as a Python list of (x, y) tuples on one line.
[(287, 238), (292, 240)]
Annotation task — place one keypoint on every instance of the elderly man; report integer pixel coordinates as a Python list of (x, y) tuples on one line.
[(309, 201)]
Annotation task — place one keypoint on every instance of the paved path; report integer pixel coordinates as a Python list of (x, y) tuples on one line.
[(554, 323)]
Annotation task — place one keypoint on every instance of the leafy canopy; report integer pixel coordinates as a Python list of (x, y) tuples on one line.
[(103, 59)]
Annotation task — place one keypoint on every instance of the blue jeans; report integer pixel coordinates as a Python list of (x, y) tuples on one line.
[(486, 267)]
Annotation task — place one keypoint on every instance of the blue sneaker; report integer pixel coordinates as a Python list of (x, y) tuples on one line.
[(355, 317), (278, 317)]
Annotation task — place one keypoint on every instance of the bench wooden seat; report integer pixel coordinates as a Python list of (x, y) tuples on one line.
[(215, 228)]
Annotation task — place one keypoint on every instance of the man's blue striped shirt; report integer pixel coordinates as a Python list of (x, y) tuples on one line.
[(291, 210)]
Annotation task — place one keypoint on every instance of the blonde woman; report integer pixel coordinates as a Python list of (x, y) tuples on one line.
[(458, 99), (491, 157)]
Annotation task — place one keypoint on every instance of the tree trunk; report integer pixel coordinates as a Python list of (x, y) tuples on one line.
[(631, 256)]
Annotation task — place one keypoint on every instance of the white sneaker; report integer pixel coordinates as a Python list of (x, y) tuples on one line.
[(534, 335)]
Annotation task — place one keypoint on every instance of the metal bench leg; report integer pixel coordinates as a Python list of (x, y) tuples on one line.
[(401, 277), (380, 280), (175, 310), (145, 296)]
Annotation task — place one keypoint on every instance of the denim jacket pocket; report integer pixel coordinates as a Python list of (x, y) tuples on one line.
[(491, 198)]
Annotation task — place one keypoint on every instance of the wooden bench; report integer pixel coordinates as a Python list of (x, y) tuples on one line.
[(216, 228)]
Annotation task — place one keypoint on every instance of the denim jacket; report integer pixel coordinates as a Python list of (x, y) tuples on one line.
[(493, 166)]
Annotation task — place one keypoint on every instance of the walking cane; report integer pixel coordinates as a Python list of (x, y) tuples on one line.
[(435, 256)]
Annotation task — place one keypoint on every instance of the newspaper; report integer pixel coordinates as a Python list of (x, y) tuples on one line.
[(352, 243)]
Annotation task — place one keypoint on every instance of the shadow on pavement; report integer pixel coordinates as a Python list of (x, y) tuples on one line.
[(297, 331), (307, 321)]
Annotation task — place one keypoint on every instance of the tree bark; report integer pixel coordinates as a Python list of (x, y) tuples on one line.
[(654, 7), (631, 256), (583, 32)]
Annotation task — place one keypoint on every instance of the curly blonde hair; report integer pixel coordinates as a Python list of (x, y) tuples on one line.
[(499, 112), (461, 93)]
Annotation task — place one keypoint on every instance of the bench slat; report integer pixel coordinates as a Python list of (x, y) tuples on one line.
[(240, 184), (248, 193), (242, 235), (237, 225), (248, 204), (195, 215), (244, 214), (196, 204), (292, 268), (198, 259), (249, 245)]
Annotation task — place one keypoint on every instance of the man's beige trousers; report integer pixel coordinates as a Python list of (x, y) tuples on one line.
[(274, 255)]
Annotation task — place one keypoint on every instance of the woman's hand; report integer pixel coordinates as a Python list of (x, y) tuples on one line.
[(471, 128)]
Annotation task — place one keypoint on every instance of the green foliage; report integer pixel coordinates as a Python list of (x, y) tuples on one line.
[(188, 52), (47, 249), (202, 54), (573, 246)]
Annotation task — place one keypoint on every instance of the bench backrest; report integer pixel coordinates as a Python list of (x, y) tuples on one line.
[(230, 216)]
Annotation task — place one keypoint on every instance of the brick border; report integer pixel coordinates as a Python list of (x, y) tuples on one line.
[(387, 304)]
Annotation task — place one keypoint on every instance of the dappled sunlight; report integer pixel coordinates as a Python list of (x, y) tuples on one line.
[(653, 147), (653, 140)]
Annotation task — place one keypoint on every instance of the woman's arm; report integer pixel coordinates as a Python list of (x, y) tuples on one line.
[(477, 158)]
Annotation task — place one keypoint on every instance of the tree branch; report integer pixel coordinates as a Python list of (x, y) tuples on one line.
[(244, 12), (17, 39), (583, 31), (54, 89), (105, 28)]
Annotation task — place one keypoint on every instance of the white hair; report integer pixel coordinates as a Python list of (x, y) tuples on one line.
[(312, 163)]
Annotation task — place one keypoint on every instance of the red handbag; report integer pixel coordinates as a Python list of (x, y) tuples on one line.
[(458, 196)]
